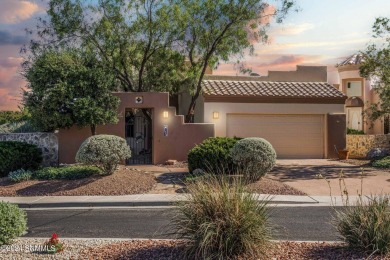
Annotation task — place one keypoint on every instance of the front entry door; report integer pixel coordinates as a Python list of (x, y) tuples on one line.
[(139, 135), (355, 118)]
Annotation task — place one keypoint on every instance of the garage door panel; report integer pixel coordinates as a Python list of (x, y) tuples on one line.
[(293, 136)]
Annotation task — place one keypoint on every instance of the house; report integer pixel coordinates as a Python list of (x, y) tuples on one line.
[(361, 95), (298, 112)]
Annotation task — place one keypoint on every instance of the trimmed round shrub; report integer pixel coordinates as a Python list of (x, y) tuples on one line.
[(13, 222), (254, 156), (20, 175), (17, 155), (72, 172), (103, 151), (222, 220), (213, 155)]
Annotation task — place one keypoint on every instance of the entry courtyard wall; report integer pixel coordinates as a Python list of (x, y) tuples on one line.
[(181, 136), (360, 145)]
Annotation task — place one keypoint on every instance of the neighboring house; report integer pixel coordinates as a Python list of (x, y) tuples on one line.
[(360, 94), (298, 112)]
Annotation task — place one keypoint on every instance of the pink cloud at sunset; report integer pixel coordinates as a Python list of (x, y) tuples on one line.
[(14, 11), (11, 83)]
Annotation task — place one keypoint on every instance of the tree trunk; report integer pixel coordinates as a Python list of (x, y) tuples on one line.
[(190, 117), (93, 129)]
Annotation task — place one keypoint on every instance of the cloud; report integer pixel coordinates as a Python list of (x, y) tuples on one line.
[(10, 83), (290, 29), (15, 11), (9, 38)]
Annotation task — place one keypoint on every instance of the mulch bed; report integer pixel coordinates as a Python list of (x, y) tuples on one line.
[(171, 249), (122, 182)]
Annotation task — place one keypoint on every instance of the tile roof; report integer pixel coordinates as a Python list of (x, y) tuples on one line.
[(320, 92), (355, 59)]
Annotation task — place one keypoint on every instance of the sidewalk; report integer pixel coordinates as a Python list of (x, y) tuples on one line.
[(155, 200)]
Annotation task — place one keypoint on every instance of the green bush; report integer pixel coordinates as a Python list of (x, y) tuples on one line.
[(66, 172), (382, 163), (104, 151), (13, 222), (20, 175), (354, 132), (213, 155), (17, 155), (254, 156), (222, 219), (365, 225)]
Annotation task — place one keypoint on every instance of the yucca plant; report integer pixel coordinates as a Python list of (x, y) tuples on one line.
[(222, 220), (365, 225)]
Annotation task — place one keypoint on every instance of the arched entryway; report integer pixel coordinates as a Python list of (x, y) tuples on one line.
[(354, 109)]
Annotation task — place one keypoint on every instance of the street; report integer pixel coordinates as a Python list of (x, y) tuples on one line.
[(291, 223)]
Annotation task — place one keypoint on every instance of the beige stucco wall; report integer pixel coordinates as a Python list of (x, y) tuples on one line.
[(369, 96), (360, 145), (301, 74), (265, 108)]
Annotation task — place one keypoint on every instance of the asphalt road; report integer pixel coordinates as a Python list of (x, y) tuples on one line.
[(292, 223)]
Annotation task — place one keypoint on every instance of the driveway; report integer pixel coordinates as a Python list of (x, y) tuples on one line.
[(301, 174)]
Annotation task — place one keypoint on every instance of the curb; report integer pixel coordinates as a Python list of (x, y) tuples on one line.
[(133, 204)]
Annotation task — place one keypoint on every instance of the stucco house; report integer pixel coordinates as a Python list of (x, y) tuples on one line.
[(360, 93), (297, 111)]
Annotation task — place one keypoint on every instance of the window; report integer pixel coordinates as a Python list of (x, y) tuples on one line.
[(354, 88)]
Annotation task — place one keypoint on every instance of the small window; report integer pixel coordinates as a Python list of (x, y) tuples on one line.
[(354, 88)]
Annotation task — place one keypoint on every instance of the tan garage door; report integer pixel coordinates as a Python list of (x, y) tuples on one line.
[(292, 136)]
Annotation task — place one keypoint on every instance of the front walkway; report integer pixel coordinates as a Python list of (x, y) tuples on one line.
[(301, 174)]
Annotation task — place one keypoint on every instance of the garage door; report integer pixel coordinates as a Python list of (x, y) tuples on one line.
[(292, 136)]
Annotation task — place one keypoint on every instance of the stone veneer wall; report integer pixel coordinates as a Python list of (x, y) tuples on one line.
[(360, 145), (48, 142)]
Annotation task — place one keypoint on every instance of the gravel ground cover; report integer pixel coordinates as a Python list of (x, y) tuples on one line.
[(273, 187), (171, 249), (123, 182), (357, 162)]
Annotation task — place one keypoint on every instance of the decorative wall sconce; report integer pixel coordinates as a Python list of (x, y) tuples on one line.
[(165, 114), (215, 115)]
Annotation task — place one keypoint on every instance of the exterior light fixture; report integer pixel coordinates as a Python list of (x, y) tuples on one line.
[(165, 114), (215, 115)]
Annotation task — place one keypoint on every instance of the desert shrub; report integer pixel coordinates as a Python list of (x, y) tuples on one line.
[(17, 155), (72, 172), (354, 132), (213, 155), (222, 220), (13, 222), (20, 175), (365, 225), (382, 163), (254, 156), (104, 151)]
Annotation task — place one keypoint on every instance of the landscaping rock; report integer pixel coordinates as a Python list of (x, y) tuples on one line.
[(377, 153)]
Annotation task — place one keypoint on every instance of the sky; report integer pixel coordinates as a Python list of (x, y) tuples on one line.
[(323, 32)]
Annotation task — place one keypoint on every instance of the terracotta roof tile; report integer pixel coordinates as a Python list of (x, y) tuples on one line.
[(271, 89)]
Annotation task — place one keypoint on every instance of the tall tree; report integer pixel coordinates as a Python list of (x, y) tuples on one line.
[(214, 30), (133, 38), (146, 42), (67, 88), (376, 66)]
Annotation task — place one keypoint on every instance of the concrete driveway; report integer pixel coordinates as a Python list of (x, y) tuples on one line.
[(301, 174)]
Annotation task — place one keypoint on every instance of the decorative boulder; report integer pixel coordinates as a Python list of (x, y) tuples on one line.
[(377, 153)]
